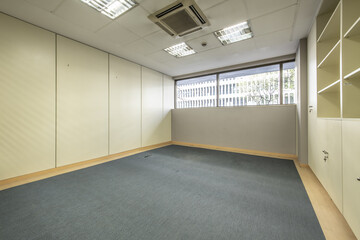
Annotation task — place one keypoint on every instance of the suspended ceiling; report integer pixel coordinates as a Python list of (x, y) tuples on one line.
[(277, 26)]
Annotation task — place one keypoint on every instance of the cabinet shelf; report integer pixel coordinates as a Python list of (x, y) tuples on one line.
[(332, 27), (354, 29), (332, 58), (330, 88), (353, 75)]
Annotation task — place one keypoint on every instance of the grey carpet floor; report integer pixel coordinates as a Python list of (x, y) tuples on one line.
[(168, 193)]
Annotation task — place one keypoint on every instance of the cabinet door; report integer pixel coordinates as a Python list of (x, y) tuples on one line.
[(317, 143), (351, 173), (333, 165)]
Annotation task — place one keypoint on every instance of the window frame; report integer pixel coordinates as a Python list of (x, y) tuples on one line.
[(217, 90)]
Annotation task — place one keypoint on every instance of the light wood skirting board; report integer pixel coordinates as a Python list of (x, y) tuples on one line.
[(238, 150), (32, 177), (330, 218)]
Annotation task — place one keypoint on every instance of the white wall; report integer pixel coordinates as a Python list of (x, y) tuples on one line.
[(301, 105), (62, 102), (82, 102), (152, 107), (261, 128), (27, 98), (168, 105), (125, 105)]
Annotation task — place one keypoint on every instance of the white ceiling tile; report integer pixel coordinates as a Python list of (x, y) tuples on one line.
[(137, 21), (206, 4), (134, 37), (161, 57), (154, 5), (274, 38), (258, 8), (161, 40), (226, 14), (205, 31), (141, 47), (81, 14), (273, 22), (117, 34), (210, 40), (46, 4), (305, 17)]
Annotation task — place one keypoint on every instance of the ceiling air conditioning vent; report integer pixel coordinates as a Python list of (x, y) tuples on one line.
[(180, 18)]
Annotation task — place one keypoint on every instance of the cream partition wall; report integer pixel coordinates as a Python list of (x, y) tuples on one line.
[(152, 106), (168, 104), (82, 102), (62, 102), (334, 109), (125, 105), (27, 98)]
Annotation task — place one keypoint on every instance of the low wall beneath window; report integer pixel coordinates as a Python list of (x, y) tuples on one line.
[(260, 128)]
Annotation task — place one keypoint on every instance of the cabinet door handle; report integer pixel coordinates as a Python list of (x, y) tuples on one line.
[(358, 179)]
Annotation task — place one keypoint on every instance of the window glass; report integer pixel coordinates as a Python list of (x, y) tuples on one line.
[(255, 86), (289, 83), (196, 92)]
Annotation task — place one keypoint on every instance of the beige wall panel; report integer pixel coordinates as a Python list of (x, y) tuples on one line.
[(27, 98), (152, 107), (168, 104), (261, 128), (351, 173), (125, 105), (82, 102)]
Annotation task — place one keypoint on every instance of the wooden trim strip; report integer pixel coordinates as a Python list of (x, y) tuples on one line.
[(238, 150), (31, 177), (330, 218)]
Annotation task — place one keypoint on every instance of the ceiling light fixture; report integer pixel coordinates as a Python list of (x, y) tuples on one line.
[(111, 8), (234, 33), (180, 50)]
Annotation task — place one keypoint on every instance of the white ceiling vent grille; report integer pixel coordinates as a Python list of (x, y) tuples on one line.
[(180, 18)]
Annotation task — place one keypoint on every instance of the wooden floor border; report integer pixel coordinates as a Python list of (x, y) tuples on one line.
[(330, 218), (32, 177), (238, 150)]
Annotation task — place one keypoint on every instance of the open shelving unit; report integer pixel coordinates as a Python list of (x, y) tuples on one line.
[(351, 58), (329, 65), (338, 61)]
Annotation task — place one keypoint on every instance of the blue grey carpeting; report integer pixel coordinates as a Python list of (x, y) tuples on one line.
[(168, 193)]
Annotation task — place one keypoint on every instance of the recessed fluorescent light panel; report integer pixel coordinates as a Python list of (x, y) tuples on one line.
[(111, 8), (180, 50), (234, 33)]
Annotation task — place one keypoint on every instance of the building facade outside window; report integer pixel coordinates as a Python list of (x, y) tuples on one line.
[(254, 86), (196, 92)]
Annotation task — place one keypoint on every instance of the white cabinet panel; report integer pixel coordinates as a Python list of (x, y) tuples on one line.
[(333, 181), (317, 143), (152, 107), (323, 134), (27, 98), (125, 105), (351, 172), (82, 102)]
